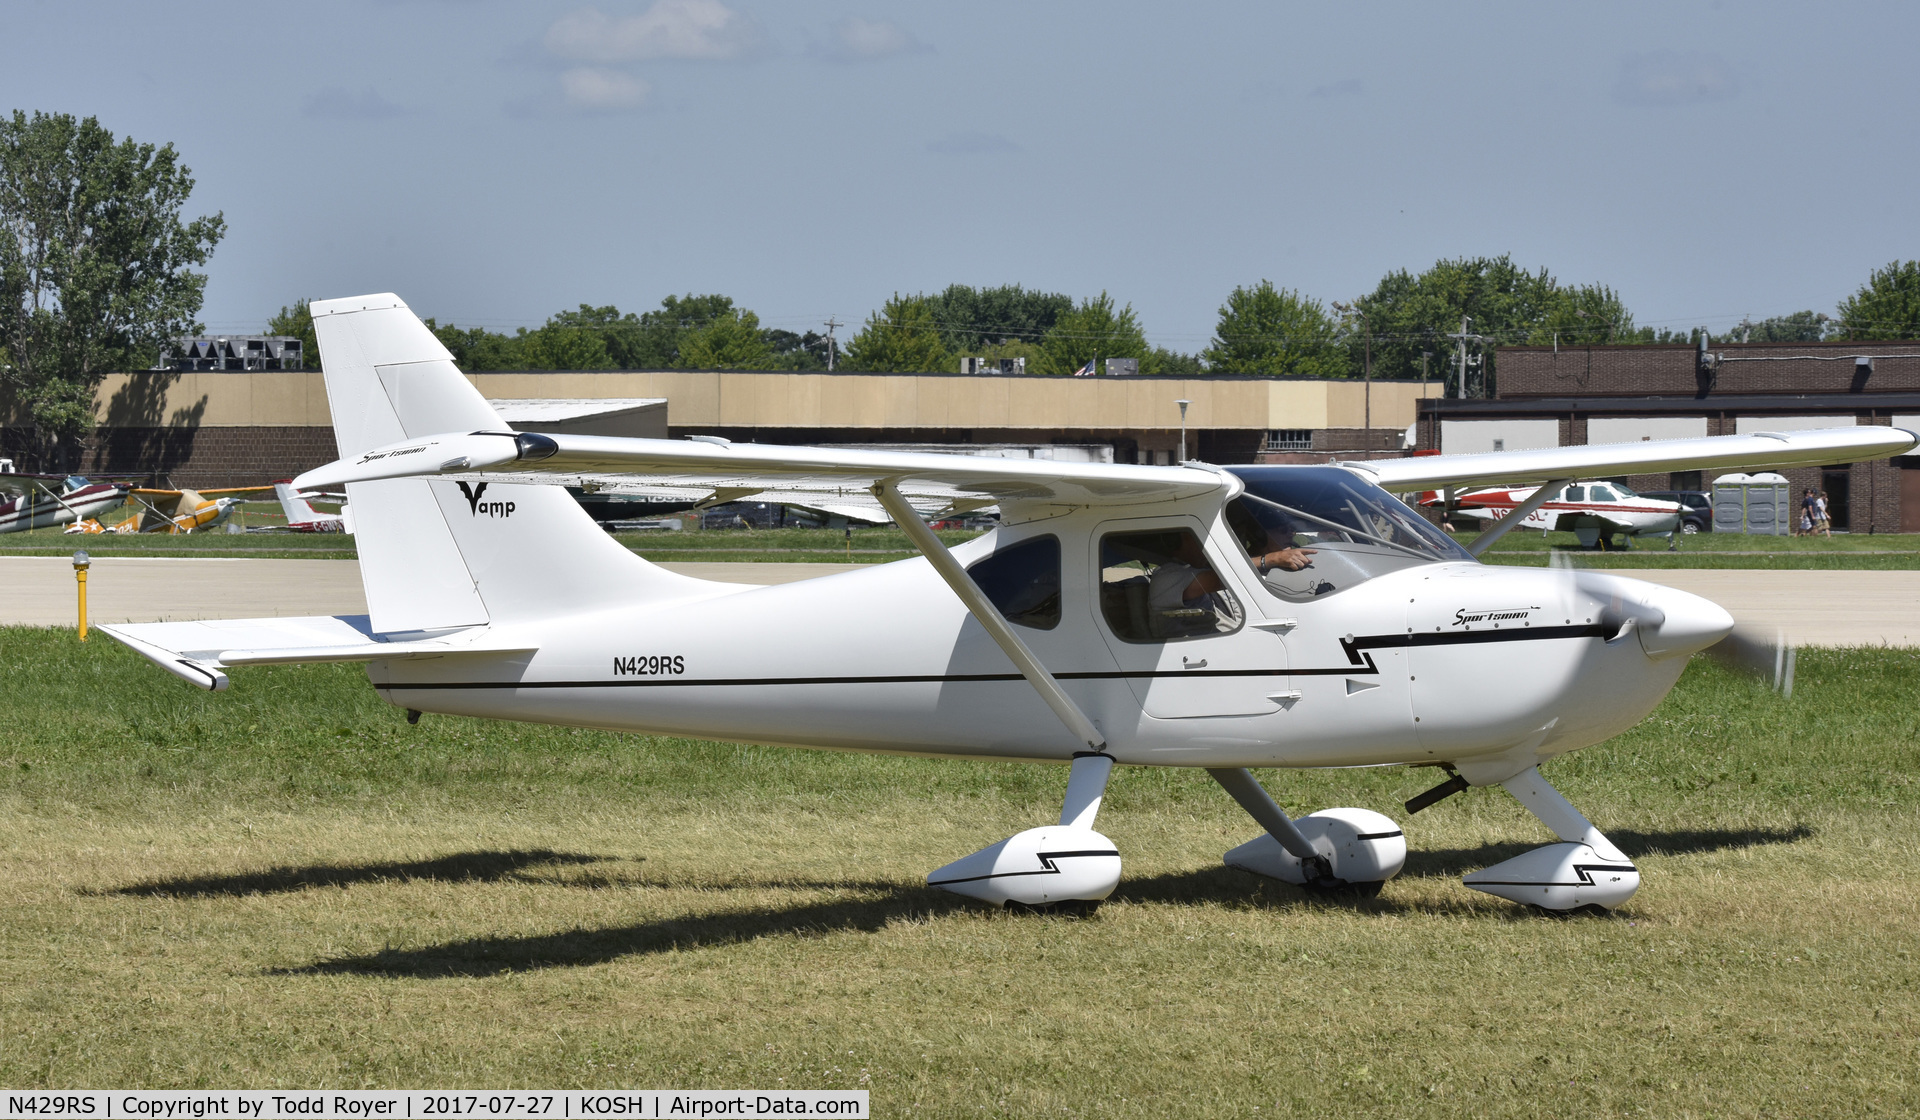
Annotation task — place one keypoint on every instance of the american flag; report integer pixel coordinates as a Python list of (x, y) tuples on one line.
[(1086, 370)]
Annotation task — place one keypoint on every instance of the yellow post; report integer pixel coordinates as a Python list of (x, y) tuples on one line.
[(81, 562)]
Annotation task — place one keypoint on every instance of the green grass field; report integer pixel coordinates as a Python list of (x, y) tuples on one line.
[(825, 546), (286, 885), (879, 545)]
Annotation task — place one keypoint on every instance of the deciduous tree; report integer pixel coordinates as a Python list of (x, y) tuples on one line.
[(297, 322), (1276, 331), (732, 340), (95, 264), (904, 335), (1093, 331), (974, 320), (1886, 306)]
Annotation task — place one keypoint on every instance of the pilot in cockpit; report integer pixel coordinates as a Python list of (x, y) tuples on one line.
[(1269, 541), (1189, 581)]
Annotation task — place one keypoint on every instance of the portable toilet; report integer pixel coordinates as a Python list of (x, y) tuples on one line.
[(1756, 504)]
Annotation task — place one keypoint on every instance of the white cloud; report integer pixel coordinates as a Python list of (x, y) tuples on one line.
[(696, 29), (864, 40), (1672, 78), (593, 88), (974, 144), (340, 103)]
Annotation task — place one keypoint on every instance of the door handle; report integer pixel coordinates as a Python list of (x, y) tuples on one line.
[(1284, 698), (1200, 664)]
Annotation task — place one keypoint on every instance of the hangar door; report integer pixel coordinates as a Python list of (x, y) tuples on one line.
[(1472, 437)]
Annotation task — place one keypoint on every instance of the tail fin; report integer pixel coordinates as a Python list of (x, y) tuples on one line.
[(436, 555), (293, 505)]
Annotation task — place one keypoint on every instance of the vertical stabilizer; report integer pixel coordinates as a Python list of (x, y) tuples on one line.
[(440, 554), (297, 509)]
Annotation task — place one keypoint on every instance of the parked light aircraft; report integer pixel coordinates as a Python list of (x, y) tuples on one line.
[(173, 511), (1592, 511), (301, 516), (1222, 618), (38, 501)]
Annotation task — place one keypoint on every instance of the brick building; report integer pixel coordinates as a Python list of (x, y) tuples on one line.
[(1557, 396), (208, 428)]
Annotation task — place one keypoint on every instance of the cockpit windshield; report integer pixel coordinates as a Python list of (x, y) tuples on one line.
[(1314, 531)]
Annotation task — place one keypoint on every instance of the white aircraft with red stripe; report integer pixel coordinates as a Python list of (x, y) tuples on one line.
[(1590, 510)]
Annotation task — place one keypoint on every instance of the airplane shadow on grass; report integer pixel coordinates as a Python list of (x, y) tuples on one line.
[(884, 903), (1449, 862), (460, 867)]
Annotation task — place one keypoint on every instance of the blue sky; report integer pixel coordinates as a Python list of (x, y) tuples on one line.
[(495, 162)]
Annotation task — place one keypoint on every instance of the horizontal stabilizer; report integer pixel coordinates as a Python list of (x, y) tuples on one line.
[(197, 651)]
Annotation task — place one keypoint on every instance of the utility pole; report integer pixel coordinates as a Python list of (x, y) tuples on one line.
[(1462, 339), (1464, 321), (830, 324)]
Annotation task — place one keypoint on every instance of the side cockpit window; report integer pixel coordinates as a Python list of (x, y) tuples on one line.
[(1157, 586), (1023, 582)]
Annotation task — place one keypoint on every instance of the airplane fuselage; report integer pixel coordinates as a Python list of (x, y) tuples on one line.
[(1446, 661), (35, 510)]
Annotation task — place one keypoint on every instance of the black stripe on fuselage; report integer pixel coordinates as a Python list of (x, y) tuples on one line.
[(1356, 650)]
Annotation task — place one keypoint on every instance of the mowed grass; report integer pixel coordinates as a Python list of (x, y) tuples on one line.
[(286, 885), (878, 545)]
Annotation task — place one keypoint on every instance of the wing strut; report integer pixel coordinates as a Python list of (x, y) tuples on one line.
[(1518, 514), (989, 616)]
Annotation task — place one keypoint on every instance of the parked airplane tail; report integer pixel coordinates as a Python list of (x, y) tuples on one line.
[(436, 555), (295, 507)]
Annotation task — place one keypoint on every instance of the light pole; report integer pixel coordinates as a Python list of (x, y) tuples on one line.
[(81, 562), (1183, 428)]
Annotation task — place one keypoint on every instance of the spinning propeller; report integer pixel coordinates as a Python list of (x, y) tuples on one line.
[(1754, 650)]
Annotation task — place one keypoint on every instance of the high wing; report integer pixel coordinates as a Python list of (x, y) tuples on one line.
[(826, 474), (1760, 449), (856, 502)]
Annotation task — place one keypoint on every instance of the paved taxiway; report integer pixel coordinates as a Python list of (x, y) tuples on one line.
[(1820, 608)]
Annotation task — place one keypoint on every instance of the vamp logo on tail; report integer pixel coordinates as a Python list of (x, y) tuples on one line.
[(474, 493), (1493, 615)]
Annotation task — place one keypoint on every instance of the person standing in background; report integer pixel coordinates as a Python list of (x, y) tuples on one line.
[(1822, 522), (1803, 527)]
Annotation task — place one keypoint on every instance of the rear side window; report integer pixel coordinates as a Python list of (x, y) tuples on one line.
[(1023, 582), (1157, 586)]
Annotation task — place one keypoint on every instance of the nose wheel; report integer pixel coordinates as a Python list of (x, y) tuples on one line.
[(1584, 871)]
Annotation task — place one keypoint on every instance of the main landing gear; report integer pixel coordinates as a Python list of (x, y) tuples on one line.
[(1355, 850), (1065, 867)]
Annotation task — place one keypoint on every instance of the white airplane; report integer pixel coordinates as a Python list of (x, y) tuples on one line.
[(1150, 616), (37, 501), (1592, 511), (302, 517)]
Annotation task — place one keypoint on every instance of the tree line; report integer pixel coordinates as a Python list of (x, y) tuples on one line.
[(1412, 325), (98, 272)]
